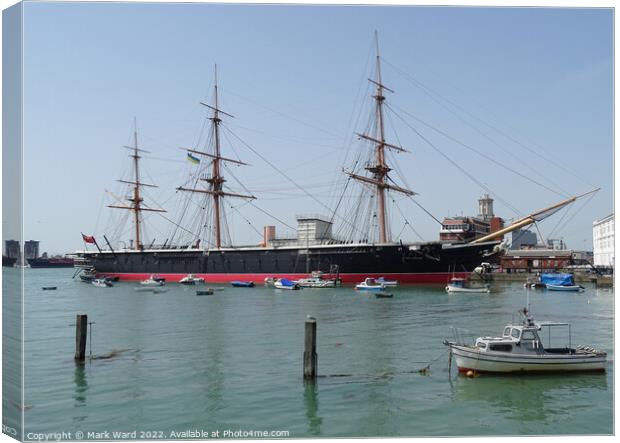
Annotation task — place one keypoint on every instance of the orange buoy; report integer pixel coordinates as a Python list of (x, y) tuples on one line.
[(470, 373)]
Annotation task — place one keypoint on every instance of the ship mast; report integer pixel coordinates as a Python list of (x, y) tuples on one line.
[(136, 200), (380, 169), (216, 180)]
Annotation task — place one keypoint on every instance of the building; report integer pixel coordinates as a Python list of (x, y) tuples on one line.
[(12, 253), (523, 239), (536, 260), (603, 241), (556, 243), (311, 230), (12, 249), (485, 208), (468, 228), (31, 249), (463, 229)]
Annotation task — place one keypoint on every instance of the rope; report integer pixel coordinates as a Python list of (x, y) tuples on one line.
[(287, 177), (429, 92), (406, 222), (481, 154), (426, 368), (456, 165)]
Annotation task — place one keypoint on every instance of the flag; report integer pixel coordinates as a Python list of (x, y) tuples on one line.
[(89, 239), (192, 159)]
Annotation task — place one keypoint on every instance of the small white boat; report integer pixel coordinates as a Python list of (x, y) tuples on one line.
[(101, 283), (370, 284), (283, 283), (269, 281), (387, 282), (316, 280), (520, 350), (191, 279), (462, 285), (313, 282), (573, 288), (87, 275), (153, 280), (560, 282)]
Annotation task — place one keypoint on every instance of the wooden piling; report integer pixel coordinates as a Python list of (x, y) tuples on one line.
[(81, 330), (310, 357)]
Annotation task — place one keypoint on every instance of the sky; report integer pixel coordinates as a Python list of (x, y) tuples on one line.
[(525, 96)]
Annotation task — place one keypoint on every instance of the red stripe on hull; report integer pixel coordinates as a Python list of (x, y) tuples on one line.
[(438, 277)]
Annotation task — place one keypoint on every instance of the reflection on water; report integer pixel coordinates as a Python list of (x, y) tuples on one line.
[(81, 388), (527, 398), (214, 376), (311, 402)]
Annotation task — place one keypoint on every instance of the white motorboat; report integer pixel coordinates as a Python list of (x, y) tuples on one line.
[(370, 284), (283, 283), (521, 350), (191, 279), (316, 280), (101, 283), (462, 285), (153, 280)]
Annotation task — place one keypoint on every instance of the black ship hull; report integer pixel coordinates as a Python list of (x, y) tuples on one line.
[(420, 263), (8, 262)]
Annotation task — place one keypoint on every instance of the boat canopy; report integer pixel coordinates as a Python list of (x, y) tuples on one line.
[(557, 279)]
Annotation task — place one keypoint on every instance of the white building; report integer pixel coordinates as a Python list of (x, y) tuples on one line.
[(603, 241)]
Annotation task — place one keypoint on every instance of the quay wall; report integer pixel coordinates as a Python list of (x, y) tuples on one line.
[(523, 276)]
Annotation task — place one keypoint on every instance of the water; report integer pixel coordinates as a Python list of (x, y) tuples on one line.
[(232, 361)]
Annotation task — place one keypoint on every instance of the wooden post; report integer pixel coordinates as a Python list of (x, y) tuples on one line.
[(81, 330), (310, 357)]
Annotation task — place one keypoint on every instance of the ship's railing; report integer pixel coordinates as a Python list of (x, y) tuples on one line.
[(319, 217), (82, 262), (462, 336)]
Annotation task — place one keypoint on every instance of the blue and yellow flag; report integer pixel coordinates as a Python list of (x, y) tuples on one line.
[(192, 159)]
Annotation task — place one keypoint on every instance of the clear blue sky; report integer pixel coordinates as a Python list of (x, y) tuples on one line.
[(293, 77)]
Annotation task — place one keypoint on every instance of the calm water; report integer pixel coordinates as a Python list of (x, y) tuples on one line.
[(232, 361)]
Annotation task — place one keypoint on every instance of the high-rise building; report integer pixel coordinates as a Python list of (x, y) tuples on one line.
[(31, 249), (11, 249)]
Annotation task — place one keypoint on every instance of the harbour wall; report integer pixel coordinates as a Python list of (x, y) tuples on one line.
[(523, 276)]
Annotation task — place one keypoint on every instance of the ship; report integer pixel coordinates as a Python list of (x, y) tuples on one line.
[(54, 262), (314, 249), (8, 262)]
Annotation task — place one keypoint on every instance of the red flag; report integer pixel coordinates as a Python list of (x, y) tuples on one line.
[(89, 239)]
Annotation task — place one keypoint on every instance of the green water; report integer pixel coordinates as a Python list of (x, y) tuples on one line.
[(232, 362)]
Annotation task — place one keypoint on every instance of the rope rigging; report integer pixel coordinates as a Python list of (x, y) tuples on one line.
[(481, 154), (456, 165), (538, 152)]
